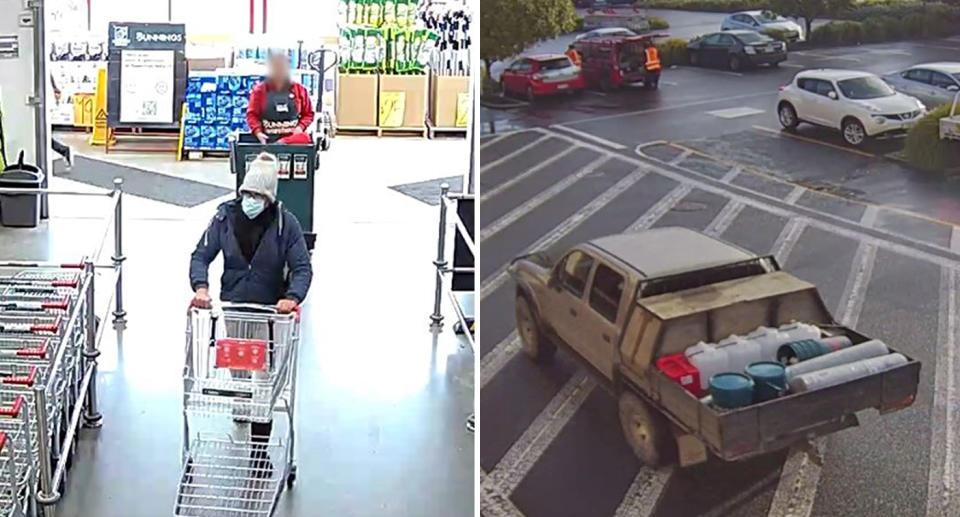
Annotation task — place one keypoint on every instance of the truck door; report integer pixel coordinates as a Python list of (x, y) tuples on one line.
[(564, 304), (601, 322)]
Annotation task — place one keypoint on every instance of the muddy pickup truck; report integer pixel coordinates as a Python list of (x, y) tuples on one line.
[(619, 303)]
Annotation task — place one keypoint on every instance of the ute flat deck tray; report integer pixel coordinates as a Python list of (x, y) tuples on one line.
[(765, 427)]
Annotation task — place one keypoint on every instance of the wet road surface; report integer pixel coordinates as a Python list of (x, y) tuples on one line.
[(550, 442)]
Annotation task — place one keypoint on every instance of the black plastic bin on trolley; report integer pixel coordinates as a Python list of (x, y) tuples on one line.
[(298, 166), (20, 210)]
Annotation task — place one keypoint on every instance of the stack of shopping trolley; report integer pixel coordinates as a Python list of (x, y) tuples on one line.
[(43, 331), (241, 369)]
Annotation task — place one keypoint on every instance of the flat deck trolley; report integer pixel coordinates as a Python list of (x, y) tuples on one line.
[(241, 369), (298, 167)]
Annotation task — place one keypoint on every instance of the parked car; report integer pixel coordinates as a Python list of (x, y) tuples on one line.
[(624, 305), (859, 104), (605, 31), (736, 49), (933, 83), (633, 19), (761, 21), (610, 62), (537, 76)]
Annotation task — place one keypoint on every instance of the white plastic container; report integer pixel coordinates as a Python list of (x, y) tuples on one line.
[(769, 340), (844, 373), (740, 352), (706, 358), (796, 331)]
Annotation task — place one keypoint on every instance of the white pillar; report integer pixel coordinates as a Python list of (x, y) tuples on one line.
[(21, 102)]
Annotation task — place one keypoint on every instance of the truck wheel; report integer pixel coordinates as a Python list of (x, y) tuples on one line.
[(535, 344), (647, 432)]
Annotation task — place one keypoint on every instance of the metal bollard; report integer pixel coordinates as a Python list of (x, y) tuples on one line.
[(92, 417), (46, 495), (440, 263), (119, 314)]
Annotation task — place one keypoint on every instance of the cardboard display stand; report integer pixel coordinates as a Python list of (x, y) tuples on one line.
[(445, 92), (414, 90), (357, 101)]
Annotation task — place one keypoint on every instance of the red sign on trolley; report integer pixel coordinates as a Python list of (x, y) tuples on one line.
[(242, 354)]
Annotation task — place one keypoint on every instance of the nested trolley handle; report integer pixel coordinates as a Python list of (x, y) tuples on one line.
[(12, 412), (23, 380)]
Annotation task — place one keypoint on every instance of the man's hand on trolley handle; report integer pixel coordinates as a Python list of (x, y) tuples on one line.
[(286, 306), (201, 299)]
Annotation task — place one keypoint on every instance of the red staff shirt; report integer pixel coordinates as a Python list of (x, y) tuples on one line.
[(258, 99)]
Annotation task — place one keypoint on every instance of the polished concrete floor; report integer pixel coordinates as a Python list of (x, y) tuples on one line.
[(382, 401)]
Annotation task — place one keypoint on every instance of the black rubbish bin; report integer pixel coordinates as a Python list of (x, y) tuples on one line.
[(20, 210)]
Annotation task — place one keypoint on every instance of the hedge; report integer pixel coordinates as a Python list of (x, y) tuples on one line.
[(657, 23), (924, 148), (673, 51), (934, 23)]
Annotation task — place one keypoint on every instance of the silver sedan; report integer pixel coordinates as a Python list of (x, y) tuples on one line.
[(933, 83)]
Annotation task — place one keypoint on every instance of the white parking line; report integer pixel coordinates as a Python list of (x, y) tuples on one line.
[(544, 195), (644, 493), (500, 277), (797, 490), (524, 453), (738, 112), (794, 195), (792, 65), (724, 218), (583, 134), (494, 139), (681, 157), (495, 504), (658, 210), (869, 217), (510, 155), (955, 239), (682, 105), (731, 174), (496, 359), (788, 238), (595, 92), (943, 489), (489, 193)]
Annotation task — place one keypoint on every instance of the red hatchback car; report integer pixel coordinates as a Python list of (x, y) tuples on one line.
[(537, 76)]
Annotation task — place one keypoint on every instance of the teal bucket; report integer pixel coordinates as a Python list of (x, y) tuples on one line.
[(731, 390), (769, 378), (799, 351)]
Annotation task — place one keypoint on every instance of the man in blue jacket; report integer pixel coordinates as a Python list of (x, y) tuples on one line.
[(265, 257)]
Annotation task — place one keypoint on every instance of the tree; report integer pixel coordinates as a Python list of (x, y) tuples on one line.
[(809, 10), (507, 27)]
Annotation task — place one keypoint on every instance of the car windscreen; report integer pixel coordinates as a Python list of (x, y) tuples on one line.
[(770, 16), (865, 88), (957, 76), (751, 38), (554, 64)]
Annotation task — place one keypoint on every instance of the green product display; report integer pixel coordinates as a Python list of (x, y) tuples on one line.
[(390, 13)]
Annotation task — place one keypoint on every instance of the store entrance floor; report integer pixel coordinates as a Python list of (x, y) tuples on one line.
[(381, 401)]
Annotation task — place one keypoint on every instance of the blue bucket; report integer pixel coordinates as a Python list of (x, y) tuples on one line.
[(731, 390), (769, 378)]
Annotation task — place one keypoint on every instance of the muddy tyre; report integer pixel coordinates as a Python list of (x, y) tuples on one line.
[(535, 344), (646, 431)]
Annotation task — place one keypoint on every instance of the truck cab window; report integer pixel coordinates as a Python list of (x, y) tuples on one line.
[(573, 274), (606, 292)]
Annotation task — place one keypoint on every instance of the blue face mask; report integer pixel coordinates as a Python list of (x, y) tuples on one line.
[(252, 206)]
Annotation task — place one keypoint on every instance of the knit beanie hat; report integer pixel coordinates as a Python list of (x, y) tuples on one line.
[(261, 178)]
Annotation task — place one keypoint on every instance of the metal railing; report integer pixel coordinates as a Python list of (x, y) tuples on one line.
[(82, 331), (443, 268)]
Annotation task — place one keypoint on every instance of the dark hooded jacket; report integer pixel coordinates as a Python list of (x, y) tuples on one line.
[(280, 267)]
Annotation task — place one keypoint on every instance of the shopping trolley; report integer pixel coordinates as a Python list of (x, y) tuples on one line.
[(241, 366), (16, 465)]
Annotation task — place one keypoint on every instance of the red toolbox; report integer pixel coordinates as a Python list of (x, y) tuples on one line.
[(680, 371)]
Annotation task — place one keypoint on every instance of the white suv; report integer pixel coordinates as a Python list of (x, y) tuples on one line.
[(859, 104)]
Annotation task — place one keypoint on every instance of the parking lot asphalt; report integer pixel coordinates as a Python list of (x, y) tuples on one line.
[(550, 442)]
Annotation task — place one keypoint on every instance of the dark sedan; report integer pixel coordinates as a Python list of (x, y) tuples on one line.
[(736, 50)]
